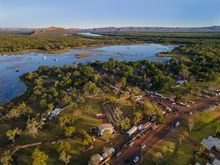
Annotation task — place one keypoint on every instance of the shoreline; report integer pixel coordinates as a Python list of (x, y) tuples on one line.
[(165, 55), (57, 52)]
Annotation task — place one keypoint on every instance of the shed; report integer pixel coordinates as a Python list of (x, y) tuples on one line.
[(104, 127), (132, 131)]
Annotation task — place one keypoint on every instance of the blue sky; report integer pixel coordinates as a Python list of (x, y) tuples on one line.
[(102, 13)]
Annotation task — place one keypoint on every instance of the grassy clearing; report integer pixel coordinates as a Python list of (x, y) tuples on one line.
[(205, 125), (175, 154)]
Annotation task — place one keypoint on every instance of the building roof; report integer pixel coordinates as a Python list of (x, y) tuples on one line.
[(214, 141), (105, 126), (216, 162), (181, 81), (207, 144)]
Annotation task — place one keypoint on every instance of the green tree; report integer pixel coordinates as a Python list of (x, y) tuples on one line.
[(69, 131), (106, 135), (89, 88), (11, 134), (39, 157), (137, 117), (6, 158), (123, 81), (21, 109), (65, 157), (94, 159), (66, 121), (217, 129), (33, 125), (124, 123), (63, 146), (86, 138)]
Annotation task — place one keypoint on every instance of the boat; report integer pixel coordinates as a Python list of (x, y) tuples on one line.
[(17, 70), (55, 59), (44, 57)]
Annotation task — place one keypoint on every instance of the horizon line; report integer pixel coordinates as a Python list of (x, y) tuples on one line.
[(68, 27)]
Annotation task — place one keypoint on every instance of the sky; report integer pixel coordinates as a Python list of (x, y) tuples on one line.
[(105, 13)]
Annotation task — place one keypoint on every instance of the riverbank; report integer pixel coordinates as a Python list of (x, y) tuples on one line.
[(166, 55)]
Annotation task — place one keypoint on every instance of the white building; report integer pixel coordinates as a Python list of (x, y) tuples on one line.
[(55, 112), (132, 131)]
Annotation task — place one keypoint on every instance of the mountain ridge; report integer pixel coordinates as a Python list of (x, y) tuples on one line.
[(34, 31)]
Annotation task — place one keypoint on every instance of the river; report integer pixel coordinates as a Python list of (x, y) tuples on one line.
[(13, 66)]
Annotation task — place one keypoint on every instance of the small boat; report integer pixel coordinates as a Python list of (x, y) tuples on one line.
[(55, 59), (44, 57), (17, 70)]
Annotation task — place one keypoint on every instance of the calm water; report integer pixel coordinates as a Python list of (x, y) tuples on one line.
[(90, 34), (10, 85)]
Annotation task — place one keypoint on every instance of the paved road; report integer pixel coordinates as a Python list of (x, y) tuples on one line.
[(161, 132)]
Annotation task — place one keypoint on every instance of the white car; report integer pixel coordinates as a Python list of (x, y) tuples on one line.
[(118, 154), (131, 144), (143, 146), (136, 159)]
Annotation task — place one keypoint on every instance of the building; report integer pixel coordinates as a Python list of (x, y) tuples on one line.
[(180, 82), (215, 142), (132, 131), (104, 127), (211, 142), (55, 112), (216, 162)]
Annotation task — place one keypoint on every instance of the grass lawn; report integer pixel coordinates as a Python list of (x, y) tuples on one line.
[(175, 154), (205, 125)]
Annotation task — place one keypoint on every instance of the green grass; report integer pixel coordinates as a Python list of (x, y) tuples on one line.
[(176, 154), (205, 125)]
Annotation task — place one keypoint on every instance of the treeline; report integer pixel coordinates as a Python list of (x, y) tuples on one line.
[(22, 43)]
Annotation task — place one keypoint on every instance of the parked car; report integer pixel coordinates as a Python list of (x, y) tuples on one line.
[(118, 154), (143, 146), (136, 159), (131, 144)]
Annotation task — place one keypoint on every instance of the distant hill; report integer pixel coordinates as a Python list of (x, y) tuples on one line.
[(63, 31), (16, 31), (53, 30), (154, 29), (37, 31)]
